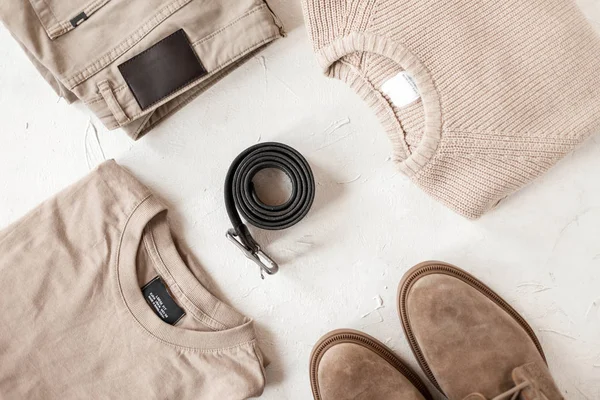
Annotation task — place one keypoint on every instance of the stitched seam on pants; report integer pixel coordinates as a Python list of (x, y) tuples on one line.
[(88, 9), (55, 26), (100, 98), (200, 41), (95, 5), (113, 125), (139, 130), (222, 65), (51, 11), (117, 113), (182, 104), (113, 104), (187, 101), (218, 31), (134, 38)]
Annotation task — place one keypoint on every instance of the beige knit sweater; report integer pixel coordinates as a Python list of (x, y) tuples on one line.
[(507, 87)]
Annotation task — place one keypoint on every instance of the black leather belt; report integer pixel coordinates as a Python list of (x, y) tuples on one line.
[(241, 197)]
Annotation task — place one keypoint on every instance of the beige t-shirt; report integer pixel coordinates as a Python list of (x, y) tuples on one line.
[(76, 324)]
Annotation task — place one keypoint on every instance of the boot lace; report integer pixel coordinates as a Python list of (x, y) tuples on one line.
[(513, 393)]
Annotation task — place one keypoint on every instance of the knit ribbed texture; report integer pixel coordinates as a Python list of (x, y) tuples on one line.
[(507, 87)]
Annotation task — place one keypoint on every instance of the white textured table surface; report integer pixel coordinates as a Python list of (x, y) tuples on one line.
[(540, 249)]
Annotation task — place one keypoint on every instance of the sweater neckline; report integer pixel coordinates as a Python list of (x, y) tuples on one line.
[(410, 163)]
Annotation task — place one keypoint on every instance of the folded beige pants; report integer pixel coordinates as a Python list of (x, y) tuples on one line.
[(134, 62)]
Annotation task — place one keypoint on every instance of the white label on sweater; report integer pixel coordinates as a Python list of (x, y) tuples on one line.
[(401, 89)]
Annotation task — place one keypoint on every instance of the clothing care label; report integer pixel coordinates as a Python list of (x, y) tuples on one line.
[(157, 296), (401, 89)]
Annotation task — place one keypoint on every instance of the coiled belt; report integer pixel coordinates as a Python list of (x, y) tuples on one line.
[(241, 197)]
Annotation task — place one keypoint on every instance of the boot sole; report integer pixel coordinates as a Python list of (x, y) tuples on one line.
[(438, 267), (355, 337)]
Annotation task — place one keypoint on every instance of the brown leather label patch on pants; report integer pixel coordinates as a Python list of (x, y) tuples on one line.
[(163, 69)]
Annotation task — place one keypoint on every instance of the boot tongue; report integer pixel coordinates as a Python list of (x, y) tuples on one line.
[(542, 385)]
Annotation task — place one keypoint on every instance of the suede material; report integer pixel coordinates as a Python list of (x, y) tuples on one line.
[(350, 371), (542, 385), (475, 396), (468, 341)]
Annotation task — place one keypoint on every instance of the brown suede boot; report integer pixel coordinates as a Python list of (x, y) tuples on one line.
[(350, 365), (469, 342)]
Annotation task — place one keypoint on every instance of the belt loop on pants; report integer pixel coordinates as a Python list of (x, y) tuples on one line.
[(114, 106)]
